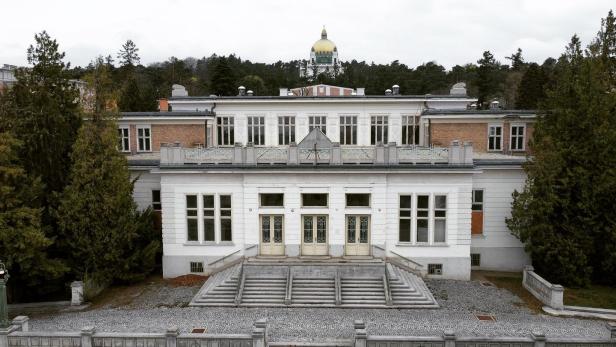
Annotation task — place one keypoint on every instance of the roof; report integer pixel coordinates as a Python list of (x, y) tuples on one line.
[(432, 111), (206, 113), (342, 97)]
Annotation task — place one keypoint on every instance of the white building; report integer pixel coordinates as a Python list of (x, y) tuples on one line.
[(333, 176), (323, 59)]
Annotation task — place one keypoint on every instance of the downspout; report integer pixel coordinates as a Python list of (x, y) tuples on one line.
[(205, 130)]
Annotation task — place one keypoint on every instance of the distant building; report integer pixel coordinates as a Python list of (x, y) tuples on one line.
[(323, 59), (7, 76), (321, 90)]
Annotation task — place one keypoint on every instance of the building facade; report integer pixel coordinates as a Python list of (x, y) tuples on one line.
[(417, 177)]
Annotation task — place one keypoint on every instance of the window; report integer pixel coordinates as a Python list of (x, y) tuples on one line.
[(423, 209), (317, 122), (378, 130), (358, 200), (477, 212), (405, 218), (440, 218), (156, 205), (271, 200), (209, 231), (435, 269), (225, 131), (286, 130), (348, 130), (495, 137), (225, 218), (196, 266), (192, 225), (478, 200), (124, 145), (144, 139), (256, 130), (410, 130), (475, 259), (517, 137), (314, 200)]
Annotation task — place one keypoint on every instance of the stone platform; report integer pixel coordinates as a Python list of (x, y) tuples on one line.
[(315, 282)]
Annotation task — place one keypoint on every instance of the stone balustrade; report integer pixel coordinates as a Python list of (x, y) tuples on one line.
[(17, 335), (382, 154), (546, 292)]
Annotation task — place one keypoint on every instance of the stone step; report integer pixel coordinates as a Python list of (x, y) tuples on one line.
[(313, 301), (314, 289), (362, 289), (362, 302), (263, 300), (296, 295)]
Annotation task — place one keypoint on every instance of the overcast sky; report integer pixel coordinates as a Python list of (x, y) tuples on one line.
[(449, 32)]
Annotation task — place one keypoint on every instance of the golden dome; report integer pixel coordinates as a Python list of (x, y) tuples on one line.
[(324, 45)]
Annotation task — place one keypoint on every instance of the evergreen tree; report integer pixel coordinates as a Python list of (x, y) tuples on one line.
[(531, 89), (43, 113), (23, 244), (223, 82), (565, 214), (98, 218), (486, 79), (517, 61), (129, 54)]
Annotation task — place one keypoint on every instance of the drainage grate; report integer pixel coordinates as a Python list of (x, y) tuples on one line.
[(485, 317), (198, 330)]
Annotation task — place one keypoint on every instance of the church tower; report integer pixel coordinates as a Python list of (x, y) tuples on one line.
[(323, 58)]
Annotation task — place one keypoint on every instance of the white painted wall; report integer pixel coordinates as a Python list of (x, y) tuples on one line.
[(499, 249), (145, 183), (333, 109), (384, 189)]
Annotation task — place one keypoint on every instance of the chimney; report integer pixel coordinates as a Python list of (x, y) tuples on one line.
[(284, 91), (494, 105), (178, 90), (388, 92), (468, 153), (250, 93), (455, 153), (395, 89), (163, 105), (361, 91), (241, 91)]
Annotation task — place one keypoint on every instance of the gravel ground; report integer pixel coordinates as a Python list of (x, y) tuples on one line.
[(159, 308)]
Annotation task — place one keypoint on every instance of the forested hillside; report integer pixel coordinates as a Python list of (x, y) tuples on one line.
[(513, 81)]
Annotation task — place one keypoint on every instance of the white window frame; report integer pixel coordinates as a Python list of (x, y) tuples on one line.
[(286, 130), (196, 217), (500, 137), (483, 199), (379, 125), (410, 218), (142, 139), (203, 217), (410, 123), (255, 131), (316, 121), (517, 136), (353, 126), (229, 139), (217, 219), (435, 218), (157, 202), (122, 138)]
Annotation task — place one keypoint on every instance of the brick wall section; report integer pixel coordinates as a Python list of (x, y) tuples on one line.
[(441, 134), (187, 134)]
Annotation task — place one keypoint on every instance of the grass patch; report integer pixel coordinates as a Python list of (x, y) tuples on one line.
[(593, 296), (513, 283)]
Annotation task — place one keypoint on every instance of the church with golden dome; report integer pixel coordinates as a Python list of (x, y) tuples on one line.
[(323, 59)]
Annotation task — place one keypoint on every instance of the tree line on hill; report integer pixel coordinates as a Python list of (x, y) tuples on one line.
[(517, 85), (66, 207)]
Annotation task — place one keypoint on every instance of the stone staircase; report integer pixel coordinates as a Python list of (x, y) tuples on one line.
[(362, 292), (220, 289), (311, 291), (385, 285), (264, 291)]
